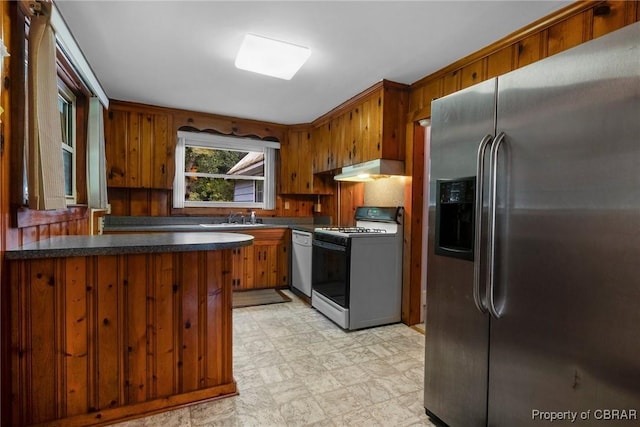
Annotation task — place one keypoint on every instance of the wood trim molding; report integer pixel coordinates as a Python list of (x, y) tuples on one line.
[(138, 410), (533, 28), (207, 122)]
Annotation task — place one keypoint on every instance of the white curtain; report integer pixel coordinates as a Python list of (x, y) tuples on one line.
[(178, 179), (46, 173), (96, 163), (270, 181)]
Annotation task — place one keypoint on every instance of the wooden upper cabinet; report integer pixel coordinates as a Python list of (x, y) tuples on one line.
[(391, 110), (370, 126), (138, 149), (288, 182), (297, 165)]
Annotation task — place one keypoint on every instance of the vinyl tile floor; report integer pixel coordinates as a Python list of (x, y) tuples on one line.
[(294, 367)]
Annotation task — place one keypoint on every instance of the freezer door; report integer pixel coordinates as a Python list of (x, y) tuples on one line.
[(568, 237), (456, 353)]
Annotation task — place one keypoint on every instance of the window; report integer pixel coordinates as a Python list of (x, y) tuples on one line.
[(223, 171), (67, 110)]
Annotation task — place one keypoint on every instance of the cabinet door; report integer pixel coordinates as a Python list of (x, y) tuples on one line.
[(116, 150), (266, 263), (238, 268), (335, 157), (163, 157), (354, 135), (357, 134), (346, 139), (321, 141), (373, 149), (248, 279), (153, 159), (287, 160), (298, 160), (305, 161), (283, 262)]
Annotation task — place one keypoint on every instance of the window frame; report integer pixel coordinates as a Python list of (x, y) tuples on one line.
[(67, 94), (223, 142), (20, 215)]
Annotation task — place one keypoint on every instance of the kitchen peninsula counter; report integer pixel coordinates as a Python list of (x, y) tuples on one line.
[(118, 244), (105, 328)]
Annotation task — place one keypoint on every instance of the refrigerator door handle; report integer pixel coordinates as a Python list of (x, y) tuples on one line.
[(493, 168), (477, 245)]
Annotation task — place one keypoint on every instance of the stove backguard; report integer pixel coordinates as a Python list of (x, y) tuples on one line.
[(454, 217)]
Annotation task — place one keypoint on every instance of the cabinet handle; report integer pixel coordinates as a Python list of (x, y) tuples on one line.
[(259, 256), (163, 168)]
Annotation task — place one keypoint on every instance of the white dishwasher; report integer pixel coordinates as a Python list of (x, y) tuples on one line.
[(301, 261)]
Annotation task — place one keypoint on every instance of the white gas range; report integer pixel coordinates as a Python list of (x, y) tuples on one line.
[(357, 271)]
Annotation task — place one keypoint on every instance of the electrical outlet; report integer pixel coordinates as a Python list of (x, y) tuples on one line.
[(108, 208), (286, 205)]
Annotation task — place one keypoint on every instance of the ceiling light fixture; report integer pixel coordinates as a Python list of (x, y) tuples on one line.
[(271, 57)]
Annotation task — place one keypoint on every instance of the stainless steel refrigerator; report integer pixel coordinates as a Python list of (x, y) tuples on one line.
[(533, 276)]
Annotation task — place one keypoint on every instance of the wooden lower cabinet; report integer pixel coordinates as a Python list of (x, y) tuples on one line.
[(265, 264), (97, 339)]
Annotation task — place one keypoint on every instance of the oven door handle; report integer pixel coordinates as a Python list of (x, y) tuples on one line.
[(330, 246)]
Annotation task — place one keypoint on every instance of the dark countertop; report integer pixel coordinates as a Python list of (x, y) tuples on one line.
[(133, 224), (116, 244), (194, 228)]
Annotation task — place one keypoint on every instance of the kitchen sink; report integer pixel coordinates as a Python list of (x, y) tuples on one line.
[(228, 225)]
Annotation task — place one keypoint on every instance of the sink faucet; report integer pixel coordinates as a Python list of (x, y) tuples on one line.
[(233, 218)]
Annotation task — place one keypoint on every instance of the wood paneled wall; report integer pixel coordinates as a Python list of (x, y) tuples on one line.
[(158, 202), (101, 338), (571, 26), (575, 24), (20, 226)]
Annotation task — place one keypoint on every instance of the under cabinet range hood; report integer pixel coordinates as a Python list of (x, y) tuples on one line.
[(371, 170)]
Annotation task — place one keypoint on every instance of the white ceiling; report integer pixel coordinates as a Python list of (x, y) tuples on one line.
[(181, 54)]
